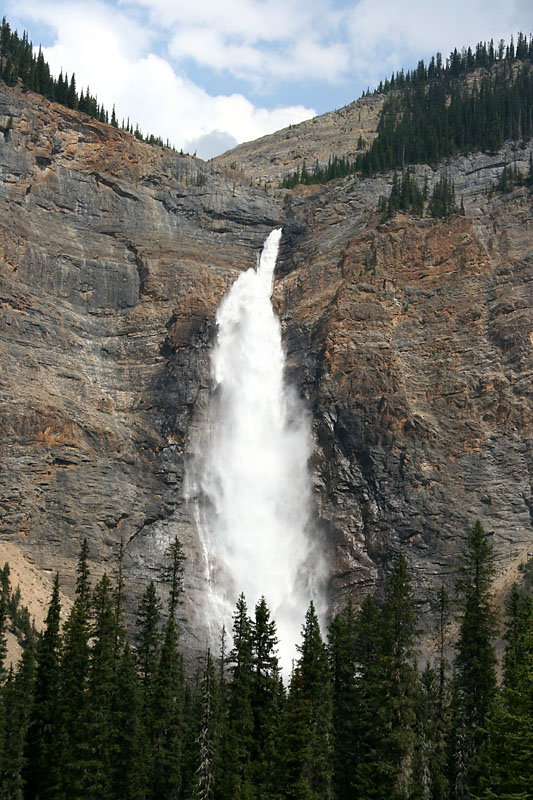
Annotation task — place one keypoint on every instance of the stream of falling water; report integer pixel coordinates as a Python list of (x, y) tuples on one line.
[(253, 484)]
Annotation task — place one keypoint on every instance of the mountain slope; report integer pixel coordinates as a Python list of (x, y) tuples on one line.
[(470, 103), (271, 158), (411, 341)]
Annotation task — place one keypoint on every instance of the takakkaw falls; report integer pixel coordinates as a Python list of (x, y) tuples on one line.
[(253, 486), (300, 373)]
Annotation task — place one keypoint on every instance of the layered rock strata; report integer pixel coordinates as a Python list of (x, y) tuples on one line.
[(114, 256), (410, 340)]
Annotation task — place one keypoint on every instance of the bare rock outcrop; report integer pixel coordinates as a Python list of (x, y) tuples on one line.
[(411, 341), (114, 256)]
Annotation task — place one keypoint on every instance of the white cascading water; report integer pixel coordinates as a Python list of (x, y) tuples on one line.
[(253, 485)]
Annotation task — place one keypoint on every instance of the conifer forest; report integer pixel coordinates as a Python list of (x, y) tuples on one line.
[(439, 114), (97, 711), (19, 64)]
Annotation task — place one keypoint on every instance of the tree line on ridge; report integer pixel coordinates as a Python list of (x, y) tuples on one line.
[(18, 63), (439, 114)]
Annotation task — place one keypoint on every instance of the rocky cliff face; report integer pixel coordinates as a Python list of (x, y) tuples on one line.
[(410, 340), (114, 256)]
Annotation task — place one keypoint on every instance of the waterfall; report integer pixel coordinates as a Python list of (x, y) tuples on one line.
[(253, 483)]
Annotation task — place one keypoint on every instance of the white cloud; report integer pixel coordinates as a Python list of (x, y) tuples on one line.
[(208, 47), (267, 41), (259, 42), (110, 52), (305, 59), (386, 35), (210, 144), (252, 21), (139, 54), (167, 102)]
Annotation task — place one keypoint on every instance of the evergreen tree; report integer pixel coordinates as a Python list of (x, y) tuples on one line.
[(3, 720), (298, 752), (387, 693), (518, 619), (442, 203), (366, 777), (167, 718), (118, 602), (430, 762), (61, 87), (148, 640), (399, 708), (223, 747), (236, 777), (309, 718), (3, 630), (193, 709), (4, 586), (342, 647), (475, 662), (74, 680), (508, 746), (173, 574), (167, 705), (433, 714), (71, 97), (439, 700), (207, 740), (94, 755), (510, 178), (17, 617), (405, 195), (128, 740), (267, 701), (18, 700), (43, 739)]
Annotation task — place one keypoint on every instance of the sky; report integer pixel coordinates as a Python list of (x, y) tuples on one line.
[(208, 74)]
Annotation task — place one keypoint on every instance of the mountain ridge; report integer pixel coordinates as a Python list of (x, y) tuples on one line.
[(350, 134), (271, 158)]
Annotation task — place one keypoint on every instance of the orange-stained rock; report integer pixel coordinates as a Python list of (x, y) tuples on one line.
[(410, 340)]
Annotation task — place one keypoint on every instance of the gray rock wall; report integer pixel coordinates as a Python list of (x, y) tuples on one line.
[(411, 342)]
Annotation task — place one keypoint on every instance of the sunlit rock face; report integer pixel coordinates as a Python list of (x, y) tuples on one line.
[(408, 342), (412, 341)]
